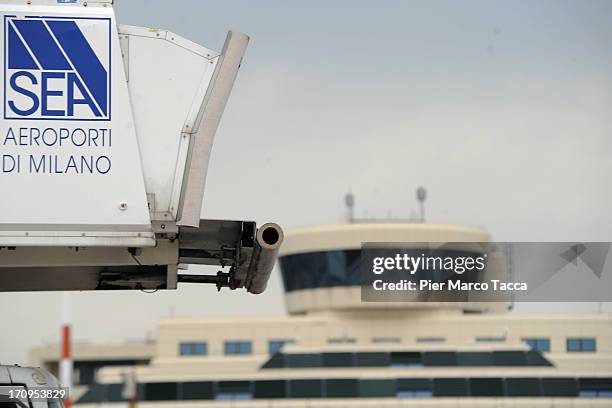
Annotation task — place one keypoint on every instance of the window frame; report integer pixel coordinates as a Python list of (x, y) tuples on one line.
[(237, 347), (580, 342), (190, 347)]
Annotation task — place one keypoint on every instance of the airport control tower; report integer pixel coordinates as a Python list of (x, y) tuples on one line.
[(322, 267), (321, 271)]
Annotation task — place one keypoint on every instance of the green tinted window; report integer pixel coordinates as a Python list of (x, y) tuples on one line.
[(559, 387), (535, 358), (113, 392), (475, 359), (510, 358), (234, 390), (198, 390), (450, 387), (337, 359), (523, 387), (486, 387), (377, 388), (412, 384), (440, 358), (305, 388), (270, 389), (342, 388), (160, 391), (233, 386), (406, 359), (595, 384), (372, 359), (303, 360)]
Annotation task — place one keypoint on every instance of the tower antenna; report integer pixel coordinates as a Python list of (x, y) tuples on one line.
[(349, 201), (421, 197)]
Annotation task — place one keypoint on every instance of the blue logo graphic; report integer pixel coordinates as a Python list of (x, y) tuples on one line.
[(57, 68)]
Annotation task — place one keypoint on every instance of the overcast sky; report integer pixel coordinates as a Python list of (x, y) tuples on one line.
[(501, 109)]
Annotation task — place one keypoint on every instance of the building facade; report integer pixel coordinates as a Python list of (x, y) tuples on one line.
[(335, 350)]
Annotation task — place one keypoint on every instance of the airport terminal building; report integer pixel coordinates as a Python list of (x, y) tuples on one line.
[(333, 350)]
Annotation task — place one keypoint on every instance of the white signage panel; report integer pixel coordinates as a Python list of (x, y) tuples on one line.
[(69, 157)]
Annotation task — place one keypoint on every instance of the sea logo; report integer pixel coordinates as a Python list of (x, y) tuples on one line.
[(57, 68)]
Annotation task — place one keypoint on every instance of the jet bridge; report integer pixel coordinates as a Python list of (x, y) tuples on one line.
[(105, 139)]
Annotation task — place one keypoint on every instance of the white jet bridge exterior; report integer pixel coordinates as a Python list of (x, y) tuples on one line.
[(105, 140)]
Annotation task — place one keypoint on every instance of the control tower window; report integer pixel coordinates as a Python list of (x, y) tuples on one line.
[(342, 268), (321, 269)]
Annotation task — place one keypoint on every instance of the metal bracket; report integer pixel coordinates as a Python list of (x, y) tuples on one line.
[(221, 279)]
